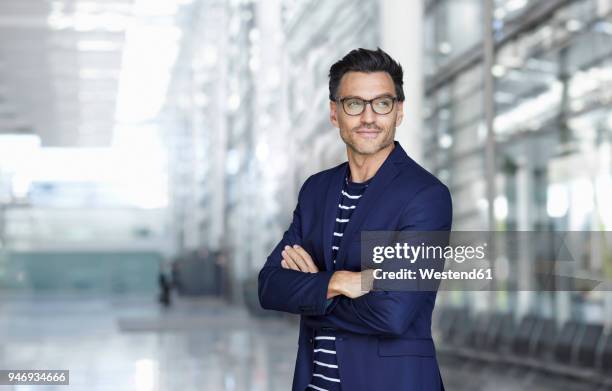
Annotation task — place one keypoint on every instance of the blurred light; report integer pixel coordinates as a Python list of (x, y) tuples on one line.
[(146, 71), (540, 107), (498, 70), (98, 45), (85, 23), (261, 151), (209, 57), (144, 376), (279, 38), (21, 185), (137, 150), (18, 161), (581, 83), (444, 47), (96, 96), (97, 74), (582, 202), (481, 131), (482, 204), (499, 13), (500, 207), (57, 6), (446, 140), (573, 25), (515, 5), (254, 64), (155, 8), (234, 26), (603, 188), (119, 169), (56, 22), (114, 20), (254, 35), (233, 102), (151, 49), (96, 7), (273, 77), (557, 200)]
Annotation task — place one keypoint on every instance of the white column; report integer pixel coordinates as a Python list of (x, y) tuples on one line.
[(402, 37)]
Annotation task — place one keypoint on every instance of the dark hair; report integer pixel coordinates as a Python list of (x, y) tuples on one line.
[(364, 60)]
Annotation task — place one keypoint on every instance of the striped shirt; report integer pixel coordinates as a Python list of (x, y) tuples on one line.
[(326, 374)]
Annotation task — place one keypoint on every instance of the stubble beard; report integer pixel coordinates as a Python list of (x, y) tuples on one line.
[(372, 148)]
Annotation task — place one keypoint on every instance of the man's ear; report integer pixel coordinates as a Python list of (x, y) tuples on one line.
[(400, 113), (333, 113)]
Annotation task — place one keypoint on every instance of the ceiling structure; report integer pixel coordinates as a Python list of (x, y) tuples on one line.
[(63, 64), (60, 64)]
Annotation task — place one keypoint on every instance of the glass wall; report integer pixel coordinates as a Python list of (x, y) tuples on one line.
[(248, 120), (552, 126)]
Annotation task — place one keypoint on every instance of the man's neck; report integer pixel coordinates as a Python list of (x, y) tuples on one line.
[(364, 167)]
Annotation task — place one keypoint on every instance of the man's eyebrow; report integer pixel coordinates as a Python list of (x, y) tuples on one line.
[(385, 95)]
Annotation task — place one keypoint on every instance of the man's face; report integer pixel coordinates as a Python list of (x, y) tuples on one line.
[(368, 132)]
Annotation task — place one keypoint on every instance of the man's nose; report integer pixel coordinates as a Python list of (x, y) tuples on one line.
[(368, 115)]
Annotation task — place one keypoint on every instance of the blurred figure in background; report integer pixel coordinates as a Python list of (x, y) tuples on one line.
[(165, 283)]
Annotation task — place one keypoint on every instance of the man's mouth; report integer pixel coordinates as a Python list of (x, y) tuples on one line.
[(368, 133)]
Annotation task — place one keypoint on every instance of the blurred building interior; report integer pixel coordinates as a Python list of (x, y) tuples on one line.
[(151, 153)]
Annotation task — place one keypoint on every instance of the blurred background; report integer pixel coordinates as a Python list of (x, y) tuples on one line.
[(151, 152)]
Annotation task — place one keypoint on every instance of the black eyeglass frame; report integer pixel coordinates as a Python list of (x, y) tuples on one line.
[(366, 102)]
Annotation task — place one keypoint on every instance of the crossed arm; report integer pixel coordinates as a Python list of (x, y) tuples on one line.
[(291, 282), (342, 282)]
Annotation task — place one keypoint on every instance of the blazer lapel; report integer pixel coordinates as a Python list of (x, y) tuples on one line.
[(331, 209), (382, 179)]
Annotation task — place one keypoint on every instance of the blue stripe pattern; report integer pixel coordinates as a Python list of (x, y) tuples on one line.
[(326, 374)]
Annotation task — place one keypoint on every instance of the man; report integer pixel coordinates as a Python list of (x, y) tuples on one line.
[(351, 339)]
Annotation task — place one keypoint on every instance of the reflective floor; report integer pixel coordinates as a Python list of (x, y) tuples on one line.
[(197, 344), (135, 345)]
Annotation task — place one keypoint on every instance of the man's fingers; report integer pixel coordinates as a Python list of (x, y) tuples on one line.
[(312, 268), (296, 258), (289, 261)]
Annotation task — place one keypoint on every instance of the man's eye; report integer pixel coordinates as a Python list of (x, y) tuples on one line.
[(354, 104), (384, 103)]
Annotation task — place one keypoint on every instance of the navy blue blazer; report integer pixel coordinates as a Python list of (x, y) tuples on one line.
[(384, 337)]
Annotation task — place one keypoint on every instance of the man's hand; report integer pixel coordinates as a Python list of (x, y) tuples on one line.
[(343, 282), (350, 284), (296, 258)]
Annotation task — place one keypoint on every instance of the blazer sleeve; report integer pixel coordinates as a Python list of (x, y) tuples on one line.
[(392, 312), (290, 290)]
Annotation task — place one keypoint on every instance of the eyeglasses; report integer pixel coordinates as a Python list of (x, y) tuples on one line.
[(356, 106)]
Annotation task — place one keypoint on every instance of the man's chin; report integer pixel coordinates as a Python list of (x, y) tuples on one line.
[(367, 148)]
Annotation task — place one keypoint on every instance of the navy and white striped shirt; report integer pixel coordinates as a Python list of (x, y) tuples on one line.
[(326, 374)]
